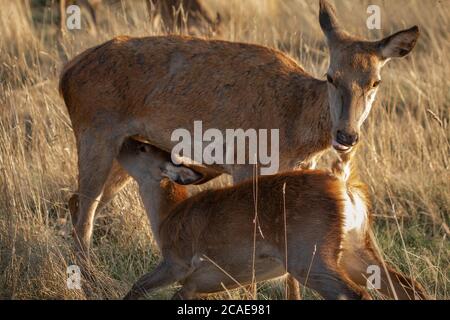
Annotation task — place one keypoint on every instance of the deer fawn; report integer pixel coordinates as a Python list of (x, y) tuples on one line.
[(148, 87), (207, 241)]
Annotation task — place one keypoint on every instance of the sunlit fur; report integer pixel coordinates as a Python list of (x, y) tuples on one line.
[(149, 87), (207, 241), (354, 69)]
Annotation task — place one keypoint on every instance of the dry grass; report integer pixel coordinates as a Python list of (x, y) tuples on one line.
[(405, 157)]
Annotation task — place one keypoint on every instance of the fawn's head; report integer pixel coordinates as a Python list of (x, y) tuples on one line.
[(354, 74), (148, 164)]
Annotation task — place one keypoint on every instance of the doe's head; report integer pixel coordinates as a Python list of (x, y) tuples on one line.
[(354, 74)]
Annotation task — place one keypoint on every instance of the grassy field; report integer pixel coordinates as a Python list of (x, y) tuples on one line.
[(404, 157)]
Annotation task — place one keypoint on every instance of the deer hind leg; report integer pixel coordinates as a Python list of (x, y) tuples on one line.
[(118, 178), (293, 288), (96, 154), (335, 286), (187, 292), (392, 284), (328, 280)]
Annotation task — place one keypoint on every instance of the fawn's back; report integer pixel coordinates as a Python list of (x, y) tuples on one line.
[(313, 205)]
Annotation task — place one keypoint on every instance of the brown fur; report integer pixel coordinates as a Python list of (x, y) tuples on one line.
[(217, 225), (174, 194), (119, 105), (149, 60), (148, 87), (63, 4)]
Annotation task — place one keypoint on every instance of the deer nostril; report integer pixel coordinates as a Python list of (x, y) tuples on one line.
[(341, 137), (346, 139)]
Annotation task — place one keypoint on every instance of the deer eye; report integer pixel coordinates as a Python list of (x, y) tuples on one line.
[(143, 148), (376, 83), (330, 79)]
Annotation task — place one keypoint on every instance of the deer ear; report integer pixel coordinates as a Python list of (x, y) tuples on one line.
[(399, 44), (328, 21), (181, 174)]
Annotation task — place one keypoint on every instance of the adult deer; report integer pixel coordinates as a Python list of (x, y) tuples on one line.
[(148, 87), (176, 13), (172, 12), (323, 237)]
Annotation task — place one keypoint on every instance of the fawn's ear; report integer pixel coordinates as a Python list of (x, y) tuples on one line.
[(181, 174), (399, 44)]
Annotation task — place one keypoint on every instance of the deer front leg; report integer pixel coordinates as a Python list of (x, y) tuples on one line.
[(117, 180), (95, 158)]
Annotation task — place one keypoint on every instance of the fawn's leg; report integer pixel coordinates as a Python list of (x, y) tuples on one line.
[(331, 284), (356, 263), (187, 292), (164, 275), (293, 288), (326, 277)]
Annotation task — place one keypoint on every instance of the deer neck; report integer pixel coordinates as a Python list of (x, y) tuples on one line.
[(309, 117), (159, 199), (171, 195)]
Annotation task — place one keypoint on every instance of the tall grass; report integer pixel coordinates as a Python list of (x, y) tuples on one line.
[(404, 158)]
